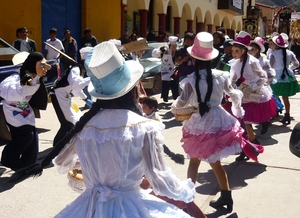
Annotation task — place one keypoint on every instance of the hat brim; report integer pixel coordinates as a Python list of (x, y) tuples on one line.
[(136, 70), (20, 57), (274, 41), (211, 56), (262, 48)]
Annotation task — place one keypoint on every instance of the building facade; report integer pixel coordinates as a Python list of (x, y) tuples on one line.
[(110, 19)]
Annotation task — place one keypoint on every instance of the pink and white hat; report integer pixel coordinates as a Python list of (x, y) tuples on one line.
[(203, 48), (243, 38), (260, 42), (281, 40)]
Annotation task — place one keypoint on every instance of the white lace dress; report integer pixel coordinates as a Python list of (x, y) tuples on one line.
[(116, 148)]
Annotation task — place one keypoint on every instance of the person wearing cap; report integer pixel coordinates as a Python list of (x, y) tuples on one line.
[(166, 53), (116, 145), (17, 92), (223, 63), (64, 88), (248, 76), (284, 62), (210, 134)]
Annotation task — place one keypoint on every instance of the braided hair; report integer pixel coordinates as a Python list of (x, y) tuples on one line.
[(284, 63), (204, 106), (240, 81)]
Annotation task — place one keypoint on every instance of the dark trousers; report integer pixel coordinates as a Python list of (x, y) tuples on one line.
[(23, 148), (166, 86), (65, 125)]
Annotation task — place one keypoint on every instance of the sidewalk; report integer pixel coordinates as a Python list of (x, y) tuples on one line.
[(268, 189)]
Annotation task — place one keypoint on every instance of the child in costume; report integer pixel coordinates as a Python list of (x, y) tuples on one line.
[(284, 62), (211, 133), (249, 77), (17, 92)]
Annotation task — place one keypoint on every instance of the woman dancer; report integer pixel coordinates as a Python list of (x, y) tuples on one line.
[(116, 146), (284, 83), (248, 76), (210, 134)]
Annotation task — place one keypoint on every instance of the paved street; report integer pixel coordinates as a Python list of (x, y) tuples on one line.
[(268, 189)]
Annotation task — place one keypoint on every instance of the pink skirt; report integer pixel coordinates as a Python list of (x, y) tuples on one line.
[(259, 112)]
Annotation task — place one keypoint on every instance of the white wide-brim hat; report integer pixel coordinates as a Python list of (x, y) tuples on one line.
[(259, 42), (111, 76), (281, 40), (203, 48)]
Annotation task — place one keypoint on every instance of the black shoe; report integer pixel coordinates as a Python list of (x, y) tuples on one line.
[(224, 199), (265, 127), (242, 157), (286, 119)]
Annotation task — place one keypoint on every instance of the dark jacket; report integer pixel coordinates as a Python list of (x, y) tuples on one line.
[(31, 43)]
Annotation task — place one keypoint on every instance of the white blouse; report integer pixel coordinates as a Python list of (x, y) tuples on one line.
[(116, 148)]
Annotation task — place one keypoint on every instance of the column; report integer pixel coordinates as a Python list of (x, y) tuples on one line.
[(229, 33), (176, 25), (199, 27), (122, 18), (143, 22), (162, 22), (209, 28), (190, 26)]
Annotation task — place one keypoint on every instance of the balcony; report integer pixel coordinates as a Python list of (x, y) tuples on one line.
[(234, 7)]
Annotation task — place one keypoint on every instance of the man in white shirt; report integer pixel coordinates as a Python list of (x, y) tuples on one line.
[(51, 53)]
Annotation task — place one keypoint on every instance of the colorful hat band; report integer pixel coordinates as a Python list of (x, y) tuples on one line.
[(111, 84)]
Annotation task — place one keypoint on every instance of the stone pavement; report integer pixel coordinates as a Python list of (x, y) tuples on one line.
[(268, 189)]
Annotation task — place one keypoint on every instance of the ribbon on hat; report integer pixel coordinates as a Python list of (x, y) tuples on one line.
[(243, 40), (280, 41)]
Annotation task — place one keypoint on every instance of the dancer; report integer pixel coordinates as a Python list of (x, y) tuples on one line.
[(257, 47), (284, 62), (249, 77), (210, 134), (64, 88), (116, 146), (17, 92)]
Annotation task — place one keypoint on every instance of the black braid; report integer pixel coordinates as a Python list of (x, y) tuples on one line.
[(284, 63), (125, 102), (204, 107), (239, 81)]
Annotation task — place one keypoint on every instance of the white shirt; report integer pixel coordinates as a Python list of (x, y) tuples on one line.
[(24, 45), (63, 94), (51, 53), (16, 106)]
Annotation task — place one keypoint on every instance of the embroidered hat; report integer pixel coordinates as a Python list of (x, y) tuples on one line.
[(173, 39), (260, 42), (202, 48), (111, 76), (243, 38), (84, 51), (281, 40)]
